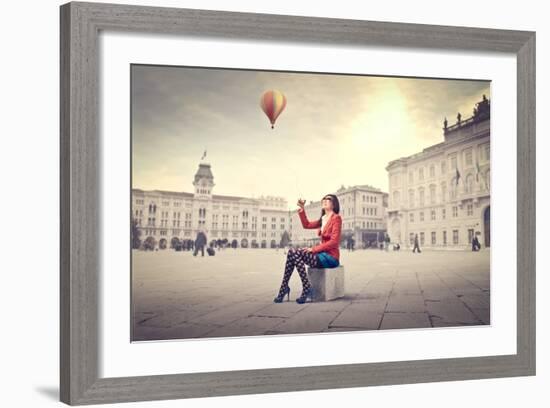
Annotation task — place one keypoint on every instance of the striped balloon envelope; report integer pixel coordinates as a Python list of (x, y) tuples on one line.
[(273, 103)]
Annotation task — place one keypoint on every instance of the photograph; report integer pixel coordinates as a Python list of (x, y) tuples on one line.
[(271, 202)]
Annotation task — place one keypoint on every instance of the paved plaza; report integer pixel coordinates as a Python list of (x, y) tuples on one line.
[(178, 296)]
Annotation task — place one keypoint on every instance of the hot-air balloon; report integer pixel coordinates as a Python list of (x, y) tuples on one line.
[(273, 103)]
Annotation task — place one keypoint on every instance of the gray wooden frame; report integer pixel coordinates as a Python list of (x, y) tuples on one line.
[(80, 233)]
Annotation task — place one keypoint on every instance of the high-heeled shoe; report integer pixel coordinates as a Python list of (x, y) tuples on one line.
[(280, 297), (305, 295)]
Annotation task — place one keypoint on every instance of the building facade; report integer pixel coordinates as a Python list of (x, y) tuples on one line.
[(363, 212), (166, 217), (443, 192)]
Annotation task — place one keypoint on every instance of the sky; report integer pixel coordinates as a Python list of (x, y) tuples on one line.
[(335, 130)]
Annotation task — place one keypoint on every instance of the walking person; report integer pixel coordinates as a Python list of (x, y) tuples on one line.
[(416, 246), (200, 242), (476, 246), (323, 255)]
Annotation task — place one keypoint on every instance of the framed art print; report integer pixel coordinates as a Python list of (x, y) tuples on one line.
[(264, 188)]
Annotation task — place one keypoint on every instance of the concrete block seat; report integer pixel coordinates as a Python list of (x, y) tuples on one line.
[(327, 283)]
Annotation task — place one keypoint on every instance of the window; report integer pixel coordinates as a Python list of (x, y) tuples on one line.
[(444, 237), (411, 198), (411, 217), (443, 167), (432, 194), (443, 192), (470, 209), (432, 171), (468, 157), (470, 235), (411, 238), (139, 202), (443, 213), (421, 238), (455, 211), (487, 150), (421, 216), (455, 237), (454, 164), (432, 215), (411, 176), (421, 197), (433, 237), (421, 173), (452, 192), (396, 197), (469, 184)]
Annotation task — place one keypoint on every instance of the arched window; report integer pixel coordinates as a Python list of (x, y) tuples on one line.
[(443, 192), (453, 188), (396, 198), (421, 196), (432, 194), (469, 184)]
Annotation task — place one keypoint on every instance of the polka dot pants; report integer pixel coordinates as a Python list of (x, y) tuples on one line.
[(298, 257)]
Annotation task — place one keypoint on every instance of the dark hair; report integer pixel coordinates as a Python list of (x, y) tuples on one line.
[(335, 205)]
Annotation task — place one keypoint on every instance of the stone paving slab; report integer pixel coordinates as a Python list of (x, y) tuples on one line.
[(178, 296), (405, 320), (229, 313), (306, 322), (187, 331), (357, 315), (249, 326), (455, 312), (405, 303)]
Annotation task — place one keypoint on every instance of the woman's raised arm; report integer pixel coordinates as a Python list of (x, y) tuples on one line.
[(307, 223)]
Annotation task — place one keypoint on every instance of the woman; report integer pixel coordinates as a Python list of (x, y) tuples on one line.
[(324, 255)]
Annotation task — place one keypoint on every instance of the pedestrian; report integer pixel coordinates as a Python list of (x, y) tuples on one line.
[(387, 242), (200, 242), (416, 246), (476, 246), (324, 255)]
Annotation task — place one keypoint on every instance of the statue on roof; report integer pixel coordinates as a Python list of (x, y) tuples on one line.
[(482, 109)]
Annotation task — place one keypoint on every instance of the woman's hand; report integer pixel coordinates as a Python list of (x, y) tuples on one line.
[(301, 203), (307, 249)]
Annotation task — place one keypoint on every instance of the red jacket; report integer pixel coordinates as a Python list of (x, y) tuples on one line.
[(330, 236)]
